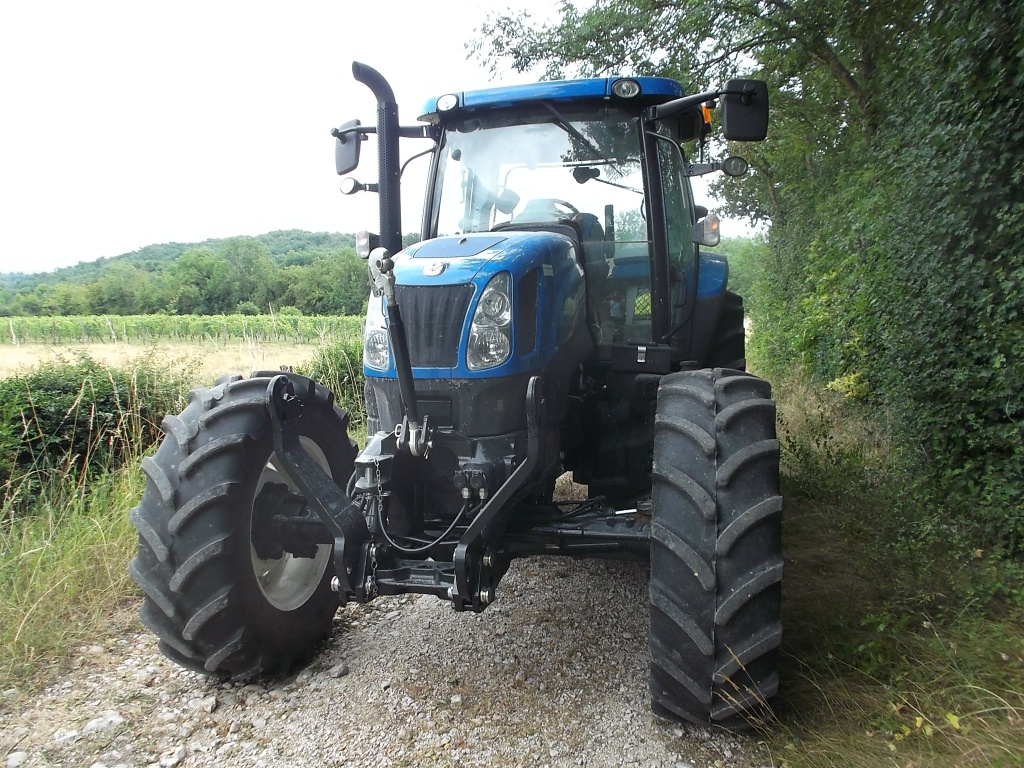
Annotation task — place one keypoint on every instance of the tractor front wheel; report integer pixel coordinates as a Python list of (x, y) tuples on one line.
[(716, 550), (216, 605)]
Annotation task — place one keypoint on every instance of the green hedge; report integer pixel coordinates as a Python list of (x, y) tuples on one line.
[(899, 281), (79, 417)]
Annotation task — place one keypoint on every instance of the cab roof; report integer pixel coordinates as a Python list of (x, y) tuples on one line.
[(653, 90)]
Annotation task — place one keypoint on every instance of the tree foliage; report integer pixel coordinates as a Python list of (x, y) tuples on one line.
[(892, 180), (314, 273)]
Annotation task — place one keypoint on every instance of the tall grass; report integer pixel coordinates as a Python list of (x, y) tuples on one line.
[(339, 367), (63, 570), (74, 433), (899, 647)]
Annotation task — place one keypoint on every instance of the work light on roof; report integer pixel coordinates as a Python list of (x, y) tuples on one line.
[(626, 89), (447, 102)]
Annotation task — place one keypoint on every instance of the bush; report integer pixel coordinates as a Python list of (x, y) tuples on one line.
[(80, 417), (339, 367)]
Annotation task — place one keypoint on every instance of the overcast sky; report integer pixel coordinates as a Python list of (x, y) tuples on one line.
[(124, 124)]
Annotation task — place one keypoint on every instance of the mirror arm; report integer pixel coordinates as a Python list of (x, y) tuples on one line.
[(416, 131), (699, 169), (674, 107), (359, 130), (405, 131)]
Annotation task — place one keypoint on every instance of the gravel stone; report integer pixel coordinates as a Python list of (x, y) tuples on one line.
[(553, 673), (104, 722), (172, 757), (338, 670)]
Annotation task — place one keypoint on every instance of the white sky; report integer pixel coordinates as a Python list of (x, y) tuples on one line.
[(124, 124)]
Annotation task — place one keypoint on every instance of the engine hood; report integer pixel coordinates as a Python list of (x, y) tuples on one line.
[(474, 258)]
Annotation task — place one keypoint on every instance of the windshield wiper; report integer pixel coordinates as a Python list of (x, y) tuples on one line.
[(571, 129)]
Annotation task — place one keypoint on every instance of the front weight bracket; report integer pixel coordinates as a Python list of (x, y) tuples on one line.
[(343, 519)]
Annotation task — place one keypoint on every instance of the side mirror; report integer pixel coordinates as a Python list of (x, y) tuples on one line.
[(735, 166), (745, 110), (346, 149)]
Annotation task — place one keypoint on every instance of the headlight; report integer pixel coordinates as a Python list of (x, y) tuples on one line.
[(490, 332), (626, 89), (376, 352)]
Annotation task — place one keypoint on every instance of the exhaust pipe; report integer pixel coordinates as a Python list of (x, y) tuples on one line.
[(388, 167)]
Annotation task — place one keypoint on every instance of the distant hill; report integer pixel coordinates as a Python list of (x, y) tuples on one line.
[(313, 273), (282, 245)]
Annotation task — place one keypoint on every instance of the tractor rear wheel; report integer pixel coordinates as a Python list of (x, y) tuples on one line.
[(217, 606), (729, 344), (716, 550)]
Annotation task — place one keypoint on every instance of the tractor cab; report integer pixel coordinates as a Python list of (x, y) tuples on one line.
[(583, 157)]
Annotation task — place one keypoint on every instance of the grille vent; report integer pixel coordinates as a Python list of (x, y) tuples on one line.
[(434, 316)]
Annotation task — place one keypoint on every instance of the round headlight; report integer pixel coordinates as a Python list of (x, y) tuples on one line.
[(626, 89), (447, 102), (495, 306), (734, 166), (376, 353), (488, 347)]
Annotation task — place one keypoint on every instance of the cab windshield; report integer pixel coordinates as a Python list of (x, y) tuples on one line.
[(550, 164), (547, 166), (543, 166)]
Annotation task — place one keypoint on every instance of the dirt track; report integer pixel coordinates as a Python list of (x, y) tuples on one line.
[(554, 673)]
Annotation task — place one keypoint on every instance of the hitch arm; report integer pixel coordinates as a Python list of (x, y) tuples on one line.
[(382, 275), (343, 519)]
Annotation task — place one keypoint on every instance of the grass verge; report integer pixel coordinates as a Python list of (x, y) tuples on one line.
[(63, 571), (903, 647)]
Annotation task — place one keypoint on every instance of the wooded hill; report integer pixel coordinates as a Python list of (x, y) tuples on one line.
[(314, 273)]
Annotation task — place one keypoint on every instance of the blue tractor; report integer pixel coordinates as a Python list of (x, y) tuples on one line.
[(558, 315)]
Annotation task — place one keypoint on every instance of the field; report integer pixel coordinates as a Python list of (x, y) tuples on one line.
[(203, 360), (202, 346), (150, 329)]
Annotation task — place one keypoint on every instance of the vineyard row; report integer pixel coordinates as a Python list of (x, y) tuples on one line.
[(146, 329)]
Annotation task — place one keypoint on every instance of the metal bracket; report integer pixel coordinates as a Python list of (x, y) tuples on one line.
[(469, 580), (343, 519)]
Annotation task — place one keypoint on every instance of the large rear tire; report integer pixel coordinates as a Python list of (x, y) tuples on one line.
[(729, 344), (216, 606), (716, 550)]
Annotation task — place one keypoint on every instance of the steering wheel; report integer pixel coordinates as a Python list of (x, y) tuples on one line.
[(547, 209)]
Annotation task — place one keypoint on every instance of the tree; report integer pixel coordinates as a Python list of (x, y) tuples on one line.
[(204, 286), (892, 181)]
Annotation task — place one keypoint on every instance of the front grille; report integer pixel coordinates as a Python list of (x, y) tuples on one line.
[(433, 316)]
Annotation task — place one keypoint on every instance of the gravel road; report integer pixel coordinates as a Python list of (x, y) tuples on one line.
[(554, 673)]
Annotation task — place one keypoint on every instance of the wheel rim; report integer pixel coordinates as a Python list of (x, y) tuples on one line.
[(287, 582)]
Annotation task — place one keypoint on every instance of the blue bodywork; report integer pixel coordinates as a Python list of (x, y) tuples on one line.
[(652, 90), (475, 259), (713, 275)]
